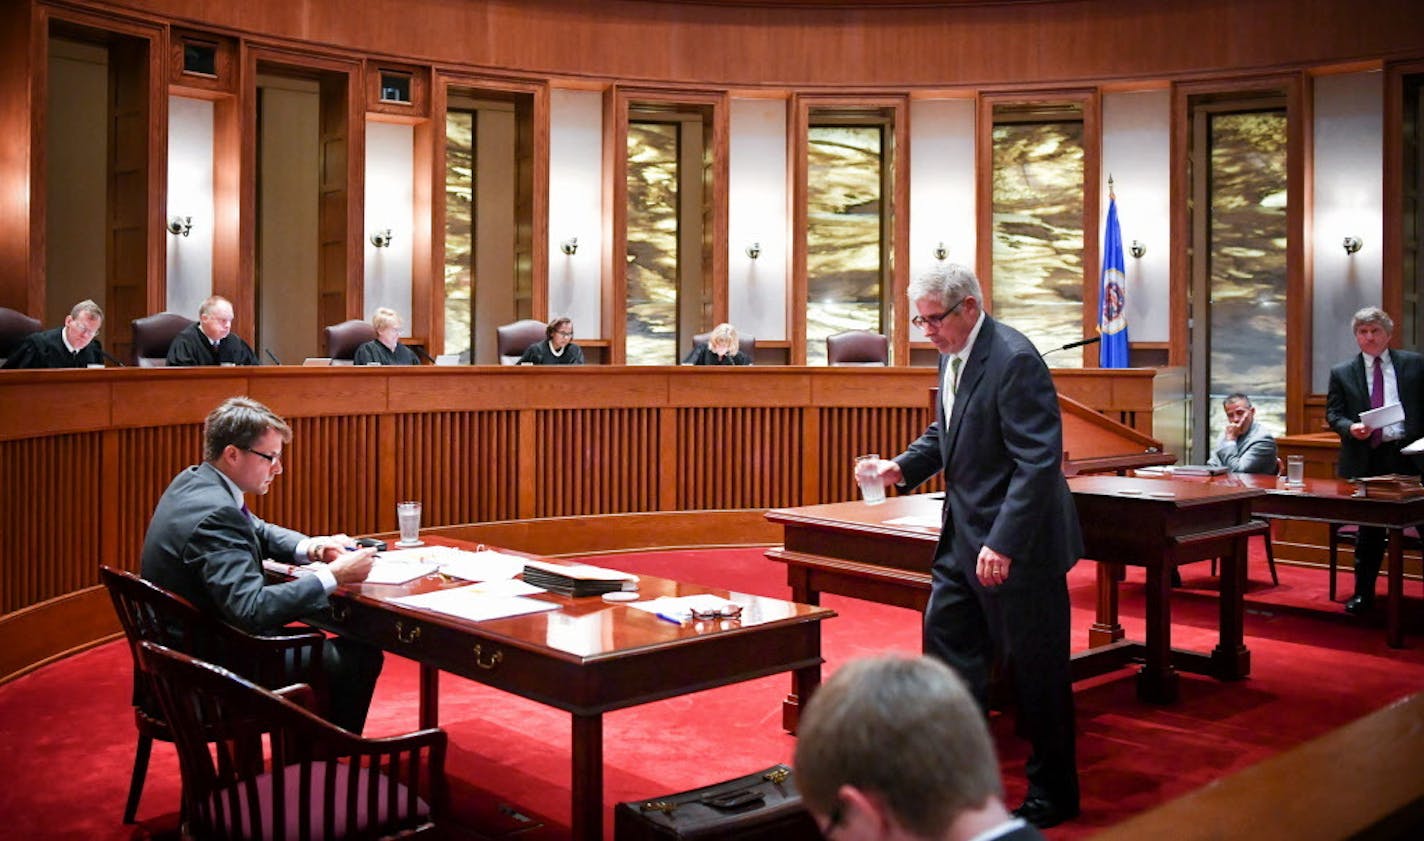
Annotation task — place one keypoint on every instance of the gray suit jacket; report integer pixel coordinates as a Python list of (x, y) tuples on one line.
[(201, 546), (1349, 395), (1002, 457)]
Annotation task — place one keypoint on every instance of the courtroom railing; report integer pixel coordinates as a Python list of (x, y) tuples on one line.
[(85, 455)]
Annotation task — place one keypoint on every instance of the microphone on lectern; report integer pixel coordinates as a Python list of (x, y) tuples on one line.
[(1090, 340), (272, 356), (111, 358), (420, 351)]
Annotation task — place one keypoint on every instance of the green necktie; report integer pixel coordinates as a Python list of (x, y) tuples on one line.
[(954, 374)]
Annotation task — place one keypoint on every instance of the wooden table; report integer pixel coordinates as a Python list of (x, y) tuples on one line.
[(1338, 501), (588, 657), (852, 549)]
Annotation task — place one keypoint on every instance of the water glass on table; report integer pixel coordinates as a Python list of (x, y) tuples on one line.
[(408, 519), (872, 487), (1295, 471)]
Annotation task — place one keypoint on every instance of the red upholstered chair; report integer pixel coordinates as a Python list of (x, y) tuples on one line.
[(858, 347), (343, 339), (514, 338), (152, 335), (14, 327), (321, 781), (148, 612)]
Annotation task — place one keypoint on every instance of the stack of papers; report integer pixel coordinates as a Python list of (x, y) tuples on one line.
[(577, 579)]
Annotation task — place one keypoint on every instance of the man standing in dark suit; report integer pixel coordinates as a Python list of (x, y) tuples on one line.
[(204, 545), (210, 341), (1010, 534), (70, 346), (1377, 377)]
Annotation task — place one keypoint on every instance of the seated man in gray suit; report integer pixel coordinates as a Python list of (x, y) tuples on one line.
[(1245, 446), (896, 748), (204, 545)]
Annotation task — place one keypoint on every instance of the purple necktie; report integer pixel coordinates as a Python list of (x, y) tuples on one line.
[(1377, 398)]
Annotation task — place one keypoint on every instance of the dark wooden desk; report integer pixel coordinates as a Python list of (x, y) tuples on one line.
[(588, 657), (1337, 501), (851, 549)]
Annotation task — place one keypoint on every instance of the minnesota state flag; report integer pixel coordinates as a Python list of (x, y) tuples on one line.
[(1112, 296)]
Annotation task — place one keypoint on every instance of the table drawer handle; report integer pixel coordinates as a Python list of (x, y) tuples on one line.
[(407, 635), (495, 658), (341, 612)]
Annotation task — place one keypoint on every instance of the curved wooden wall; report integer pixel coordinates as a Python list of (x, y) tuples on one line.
[(85, 455), (830, 45)]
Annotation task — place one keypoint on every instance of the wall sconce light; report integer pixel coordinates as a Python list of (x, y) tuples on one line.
[(569, 246), (753, 250), (1137, 249), (1353, 244), (940, 252), (180, 225), (381, 238)]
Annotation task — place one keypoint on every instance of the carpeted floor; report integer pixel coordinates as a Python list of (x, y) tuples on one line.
[(68, 733)]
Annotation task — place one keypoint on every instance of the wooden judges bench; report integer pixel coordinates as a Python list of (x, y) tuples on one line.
[(85, 454)]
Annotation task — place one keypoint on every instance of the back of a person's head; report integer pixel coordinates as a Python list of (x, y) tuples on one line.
[(905, 729)]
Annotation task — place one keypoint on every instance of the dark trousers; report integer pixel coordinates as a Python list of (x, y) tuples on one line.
[(1024, 624), (1370, 544), (350, 669)]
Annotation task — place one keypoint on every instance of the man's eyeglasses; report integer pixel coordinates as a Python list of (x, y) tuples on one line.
[(568, 334), (729, 611), (922, 321), (269, 457)]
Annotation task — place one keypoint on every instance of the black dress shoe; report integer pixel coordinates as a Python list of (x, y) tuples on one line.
[(1043, 813), (1358, 605)]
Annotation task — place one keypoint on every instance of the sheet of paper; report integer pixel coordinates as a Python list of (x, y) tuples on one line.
[(487, 565), (469, 603), (924, 521), (386, 571), (507, 587), (681, 607), (1383, 416)]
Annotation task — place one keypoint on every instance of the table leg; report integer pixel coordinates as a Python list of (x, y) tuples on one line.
[(1157, 681), (1106, 628), (1394, 609), (1232, 660), (587, 782), (803, 681), (429, 696)]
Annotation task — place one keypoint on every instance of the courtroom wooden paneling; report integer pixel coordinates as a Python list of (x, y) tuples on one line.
[(831, 45), (86, 454)]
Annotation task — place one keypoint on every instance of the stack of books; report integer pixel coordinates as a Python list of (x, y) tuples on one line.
[(577, 579), (1197, 470), (1391, 486)]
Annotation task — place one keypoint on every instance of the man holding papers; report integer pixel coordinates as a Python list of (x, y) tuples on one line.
[(1376, 404), (206, 546)]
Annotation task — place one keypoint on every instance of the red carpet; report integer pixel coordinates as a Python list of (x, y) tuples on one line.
[(69, 734)]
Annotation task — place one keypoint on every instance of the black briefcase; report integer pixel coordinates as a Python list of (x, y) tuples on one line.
[(764, 806)]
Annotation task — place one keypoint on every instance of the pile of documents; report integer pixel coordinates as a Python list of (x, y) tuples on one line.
[(1391, 486), (577, 579)]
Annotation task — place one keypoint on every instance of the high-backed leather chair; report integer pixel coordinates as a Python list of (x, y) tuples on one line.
[(321, 782), (149, 612), (14, 327), (152, 335), (745, 344), (858, 347), (514, 338), (343, 339)]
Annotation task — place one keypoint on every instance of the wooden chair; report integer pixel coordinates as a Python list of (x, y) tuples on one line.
[(343, 339), (858, 347), (1350, 533), (516, 337), (148, 612), (321, 781), (152, 336), (14, 327)]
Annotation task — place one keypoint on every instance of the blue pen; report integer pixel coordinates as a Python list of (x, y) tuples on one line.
[(669, 618)]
